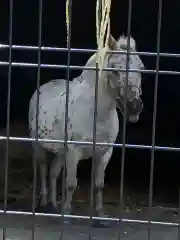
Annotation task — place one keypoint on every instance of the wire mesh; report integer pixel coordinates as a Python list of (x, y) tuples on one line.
[(37, 117), (8, 117), (92, 193), (154, 117), (64, 185), (92, 144), (124, 118)]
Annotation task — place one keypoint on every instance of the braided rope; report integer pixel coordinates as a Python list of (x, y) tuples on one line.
[(102, 30), (67, 19)]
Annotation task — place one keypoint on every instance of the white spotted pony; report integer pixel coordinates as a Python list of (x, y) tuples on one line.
[(111, 92)]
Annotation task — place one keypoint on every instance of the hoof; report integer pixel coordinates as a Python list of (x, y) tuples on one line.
[(67, 222), (48, 208), (99, 223), (67, 211)]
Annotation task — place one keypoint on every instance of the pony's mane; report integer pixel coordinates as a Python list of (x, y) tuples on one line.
[(92, 60)]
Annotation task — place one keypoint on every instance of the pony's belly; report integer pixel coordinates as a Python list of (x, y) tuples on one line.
[(88, 151), (51, 146)]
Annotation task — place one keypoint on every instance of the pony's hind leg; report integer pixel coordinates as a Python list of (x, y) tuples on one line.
[(40, 155), (43, 175), (72, 159), (55, 170)]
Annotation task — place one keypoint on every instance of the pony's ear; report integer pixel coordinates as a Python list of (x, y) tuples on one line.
[(112, 44), (140, 63), (123, 42)]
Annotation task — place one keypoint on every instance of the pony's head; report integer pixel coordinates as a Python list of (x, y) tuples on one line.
[(116, 80)]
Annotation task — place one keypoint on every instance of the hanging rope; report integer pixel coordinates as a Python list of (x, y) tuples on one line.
[(67, 19), (102, 30)]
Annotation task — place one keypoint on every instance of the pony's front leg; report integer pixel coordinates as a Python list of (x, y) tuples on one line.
[(100, 168)]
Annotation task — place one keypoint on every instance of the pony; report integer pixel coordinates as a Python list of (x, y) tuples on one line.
[(111, 95)]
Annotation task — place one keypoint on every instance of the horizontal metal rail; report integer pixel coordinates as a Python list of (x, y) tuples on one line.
[(74, 67), (84, 50), (79, 217), (132, 146)]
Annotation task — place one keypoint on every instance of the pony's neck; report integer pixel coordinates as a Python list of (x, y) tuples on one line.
[(105, 100)]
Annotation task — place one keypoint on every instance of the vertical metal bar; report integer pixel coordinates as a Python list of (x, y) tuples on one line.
[(66, 108), (179, 213), (8, 115), (124, 118), (154, 116), (37, 116), (93, 155), (94, 141)]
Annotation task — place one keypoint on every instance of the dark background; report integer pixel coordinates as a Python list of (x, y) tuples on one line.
[(144, 30)]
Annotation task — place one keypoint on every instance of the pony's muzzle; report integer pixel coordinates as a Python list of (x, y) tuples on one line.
[(135, 107)]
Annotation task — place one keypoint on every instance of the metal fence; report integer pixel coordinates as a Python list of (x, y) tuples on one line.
[(68, 67)]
